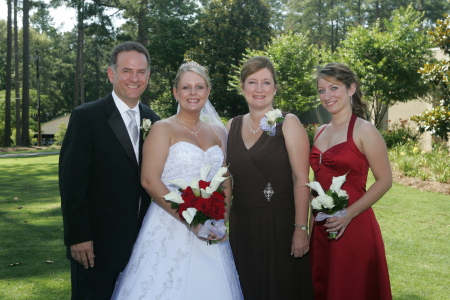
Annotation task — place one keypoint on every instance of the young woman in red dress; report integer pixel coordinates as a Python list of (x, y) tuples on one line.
[(353, 265)]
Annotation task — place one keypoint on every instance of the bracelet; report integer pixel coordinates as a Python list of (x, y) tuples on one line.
[(302, 227)]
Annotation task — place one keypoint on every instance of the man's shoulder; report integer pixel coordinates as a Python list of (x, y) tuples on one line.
[(92, 110), (96, 104)]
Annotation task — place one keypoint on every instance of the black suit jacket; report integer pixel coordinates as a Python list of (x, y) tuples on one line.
[(99, 179)]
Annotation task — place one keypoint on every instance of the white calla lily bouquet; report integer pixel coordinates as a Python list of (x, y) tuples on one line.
[(201, 202), (331, 203)]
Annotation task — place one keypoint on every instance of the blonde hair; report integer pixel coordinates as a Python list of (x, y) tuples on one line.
[(192, 66)]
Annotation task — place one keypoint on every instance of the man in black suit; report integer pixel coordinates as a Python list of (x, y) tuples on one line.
[(102, 200)]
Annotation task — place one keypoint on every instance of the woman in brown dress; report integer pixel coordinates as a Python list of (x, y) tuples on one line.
[(269, 212)]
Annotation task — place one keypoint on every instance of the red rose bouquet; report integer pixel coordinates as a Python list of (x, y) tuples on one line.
[(201, 202)]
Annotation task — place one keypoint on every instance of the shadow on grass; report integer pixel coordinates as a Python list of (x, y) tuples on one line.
[(31, 232), (34, 182), (32, 244)]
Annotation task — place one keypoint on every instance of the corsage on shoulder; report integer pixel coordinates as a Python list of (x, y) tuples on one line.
[(270, 121), (145, 127)]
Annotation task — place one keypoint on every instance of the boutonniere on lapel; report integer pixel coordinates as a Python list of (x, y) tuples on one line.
[(270, 121), (145, 127)]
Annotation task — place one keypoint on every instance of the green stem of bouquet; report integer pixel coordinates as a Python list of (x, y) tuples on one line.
[(332, 235)]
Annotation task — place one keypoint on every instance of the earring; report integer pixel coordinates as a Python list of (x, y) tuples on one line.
[(351, 100)]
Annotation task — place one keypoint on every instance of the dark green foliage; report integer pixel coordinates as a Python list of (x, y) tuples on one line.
[(329, 20), (295, 60), (387, 60), (217, 34), (228, 28)]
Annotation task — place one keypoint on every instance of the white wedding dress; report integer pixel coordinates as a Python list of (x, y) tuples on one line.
[(168, 261)]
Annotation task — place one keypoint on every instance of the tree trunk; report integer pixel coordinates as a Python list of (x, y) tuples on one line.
[(82, 66), (377, 9), (142, 24), (79, 64), (143, 39), (39, 139), (16, 75), (320, 24), (25, 141), (7, 137), (333, 48), (359, 13)]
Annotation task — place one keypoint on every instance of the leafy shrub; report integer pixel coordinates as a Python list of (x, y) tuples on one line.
[(413, 162), (399, 134), (436, 121), (59, 135)]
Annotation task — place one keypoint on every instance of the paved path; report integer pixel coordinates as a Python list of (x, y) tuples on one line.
[(6, 155)]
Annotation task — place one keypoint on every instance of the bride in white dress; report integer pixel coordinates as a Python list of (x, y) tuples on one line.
[(169, 261)]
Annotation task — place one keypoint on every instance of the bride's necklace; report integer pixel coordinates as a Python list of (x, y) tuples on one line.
[(193, 132)]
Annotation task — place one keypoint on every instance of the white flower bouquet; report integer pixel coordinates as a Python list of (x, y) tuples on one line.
[(331, 203)]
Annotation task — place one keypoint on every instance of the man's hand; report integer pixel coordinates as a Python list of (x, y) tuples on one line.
[(83, 253)]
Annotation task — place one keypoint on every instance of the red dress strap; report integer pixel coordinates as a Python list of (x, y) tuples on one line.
[(320, 132), (351, 125)]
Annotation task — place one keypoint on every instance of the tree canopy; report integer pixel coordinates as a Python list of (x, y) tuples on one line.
[(388, 60), (385, 48), (295, 59), (227, 28)]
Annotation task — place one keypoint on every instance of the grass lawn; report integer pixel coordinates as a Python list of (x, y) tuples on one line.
[(415, 225), (416, 232), (31, 231)]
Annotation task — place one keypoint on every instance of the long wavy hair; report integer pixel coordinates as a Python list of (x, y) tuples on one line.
[(342, 73)]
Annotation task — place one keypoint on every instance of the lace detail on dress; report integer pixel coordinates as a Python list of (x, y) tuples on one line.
[(230, 269)]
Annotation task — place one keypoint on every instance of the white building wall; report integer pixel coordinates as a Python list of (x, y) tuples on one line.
[(404, 111), (51, 127)]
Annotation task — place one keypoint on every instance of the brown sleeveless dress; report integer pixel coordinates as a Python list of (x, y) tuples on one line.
[(262, 219)]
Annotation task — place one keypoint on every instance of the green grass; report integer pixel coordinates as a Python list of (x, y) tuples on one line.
[(415, 228), (31, 230), (416, 232)]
